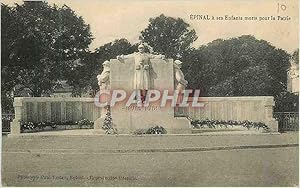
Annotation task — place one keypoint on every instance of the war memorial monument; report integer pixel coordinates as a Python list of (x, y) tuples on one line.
[(145, 91)]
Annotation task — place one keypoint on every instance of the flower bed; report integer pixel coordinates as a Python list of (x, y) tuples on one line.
[(48, 126), (215, 124)]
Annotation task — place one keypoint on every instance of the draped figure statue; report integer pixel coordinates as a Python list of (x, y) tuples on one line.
[(143, 74)]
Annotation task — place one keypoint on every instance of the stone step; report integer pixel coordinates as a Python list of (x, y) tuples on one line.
[(131, 142)]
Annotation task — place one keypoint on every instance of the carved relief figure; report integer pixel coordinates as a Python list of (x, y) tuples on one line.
[(103, 78), (180, 82), (104, 84)]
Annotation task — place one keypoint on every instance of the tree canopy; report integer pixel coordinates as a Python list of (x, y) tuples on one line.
[(242, 66), (170, 36), (41, 43)]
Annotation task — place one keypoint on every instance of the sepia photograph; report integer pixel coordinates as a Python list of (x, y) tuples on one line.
[(150, 93)]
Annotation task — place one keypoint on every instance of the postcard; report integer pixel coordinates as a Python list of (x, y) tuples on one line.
[(150, 93)]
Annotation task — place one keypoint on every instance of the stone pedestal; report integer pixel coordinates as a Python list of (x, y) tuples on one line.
[(269, 120), (129, 119), (15, 127)]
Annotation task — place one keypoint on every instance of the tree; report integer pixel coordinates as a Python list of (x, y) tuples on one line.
[(8, 73), (112, 49), (242, 66), (41, 44), (295, 56), (169, 36), (287, 102)]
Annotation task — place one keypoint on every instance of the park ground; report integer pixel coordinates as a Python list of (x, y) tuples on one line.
[(153, 160)]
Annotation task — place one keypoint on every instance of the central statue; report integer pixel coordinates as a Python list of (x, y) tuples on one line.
[(143, 74)]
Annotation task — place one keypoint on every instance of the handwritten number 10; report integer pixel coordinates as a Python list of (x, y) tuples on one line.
[(281, 7)]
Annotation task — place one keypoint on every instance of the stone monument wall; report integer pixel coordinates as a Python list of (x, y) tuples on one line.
[(37, 109), (254, 108), (128, 120), (53, 109)]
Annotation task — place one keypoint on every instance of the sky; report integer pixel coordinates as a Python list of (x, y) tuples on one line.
[(115, 19)]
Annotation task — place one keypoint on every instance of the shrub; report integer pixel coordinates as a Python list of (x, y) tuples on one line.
[(108, 124), (156, 130), (85, 123), (151, 130)]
